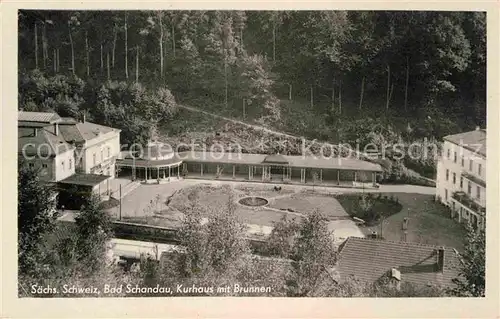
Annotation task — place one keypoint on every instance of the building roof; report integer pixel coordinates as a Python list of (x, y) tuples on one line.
[(38, 117), (370, 259), (85, 179), (158, 151), (275, 159), (29, 124), (45, 140), (333, 163), (44, 143), (148, 163), (292, 160), (80, 132), (222, 157), (474, 141)]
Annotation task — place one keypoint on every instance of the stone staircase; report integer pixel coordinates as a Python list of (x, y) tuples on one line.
[(126, 189)]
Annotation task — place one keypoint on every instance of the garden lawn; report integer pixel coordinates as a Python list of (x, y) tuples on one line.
[(305, 203), (213, 198), (429, 223)]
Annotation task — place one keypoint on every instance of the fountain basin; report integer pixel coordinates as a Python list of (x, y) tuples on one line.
[(253, 201)]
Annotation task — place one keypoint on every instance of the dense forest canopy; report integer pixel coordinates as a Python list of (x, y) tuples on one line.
[(423, 65)]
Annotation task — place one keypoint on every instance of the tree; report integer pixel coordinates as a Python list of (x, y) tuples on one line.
[(315, 178), (36, 44), (214, 252), (36, 217), (280, 242), (274, 21), (384, 287), (309, 244), (93, 231), (125, 28), (314, 255), (471, 280), (255, 86), (133, 108), (59, 93), (187, 70), (73, 22), (77, 255), (366, 206), (155, 26)]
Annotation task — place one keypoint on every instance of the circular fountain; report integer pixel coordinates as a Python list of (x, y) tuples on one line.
[(253, 201)]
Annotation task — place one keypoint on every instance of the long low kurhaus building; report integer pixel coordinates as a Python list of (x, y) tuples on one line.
[(157, 165)]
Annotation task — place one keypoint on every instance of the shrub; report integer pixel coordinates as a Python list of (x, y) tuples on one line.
[(370, 208)]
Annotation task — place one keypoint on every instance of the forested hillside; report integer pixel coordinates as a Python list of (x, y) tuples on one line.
[(338, 76)]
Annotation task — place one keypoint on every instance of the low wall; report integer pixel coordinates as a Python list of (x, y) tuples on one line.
[(142, 232), (164, 235)]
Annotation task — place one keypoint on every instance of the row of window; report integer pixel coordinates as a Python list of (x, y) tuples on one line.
[(70, 165), (471, 163), (469, 185), (94, 160), (32, 165), (63, 166), (44, 166)]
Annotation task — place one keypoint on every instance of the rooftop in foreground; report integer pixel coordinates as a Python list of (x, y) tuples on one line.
[(370, 259), (38, 117)]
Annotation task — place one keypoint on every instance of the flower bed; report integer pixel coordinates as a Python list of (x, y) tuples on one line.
[(369, 207)]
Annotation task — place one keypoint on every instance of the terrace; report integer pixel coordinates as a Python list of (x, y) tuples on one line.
[(474, 179), (468, 202)]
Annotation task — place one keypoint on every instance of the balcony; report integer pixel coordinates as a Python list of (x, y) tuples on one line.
[(468, 202), (474, 179), (103, 164)]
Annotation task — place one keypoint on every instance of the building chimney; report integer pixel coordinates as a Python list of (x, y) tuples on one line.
[(56, 129), (440, 259), (396, 274)]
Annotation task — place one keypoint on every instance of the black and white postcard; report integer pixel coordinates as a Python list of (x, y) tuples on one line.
[(207, 152)]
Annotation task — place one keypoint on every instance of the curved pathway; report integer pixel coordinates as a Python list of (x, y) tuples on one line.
[(264, 129), (253, 126)]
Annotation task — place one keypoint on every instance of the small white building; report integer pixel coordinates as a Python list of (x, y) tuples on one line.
[(69, 153), (42, 146), (96, 146), (461, 176)]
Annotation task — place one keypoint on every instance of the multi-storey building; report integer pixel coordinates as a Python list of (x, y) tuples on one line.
[(461, 176), (67, 152), (42, 146), (96, 146)]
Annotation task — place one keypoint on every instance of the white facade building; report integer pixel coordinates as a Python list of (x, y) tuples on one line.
[(41, 146), (461, 176), (96, 146), (68, 152)]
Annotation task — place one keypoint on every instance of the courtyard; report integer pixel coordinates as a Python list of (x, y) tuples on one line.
[(428, 223), (164, 205)]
